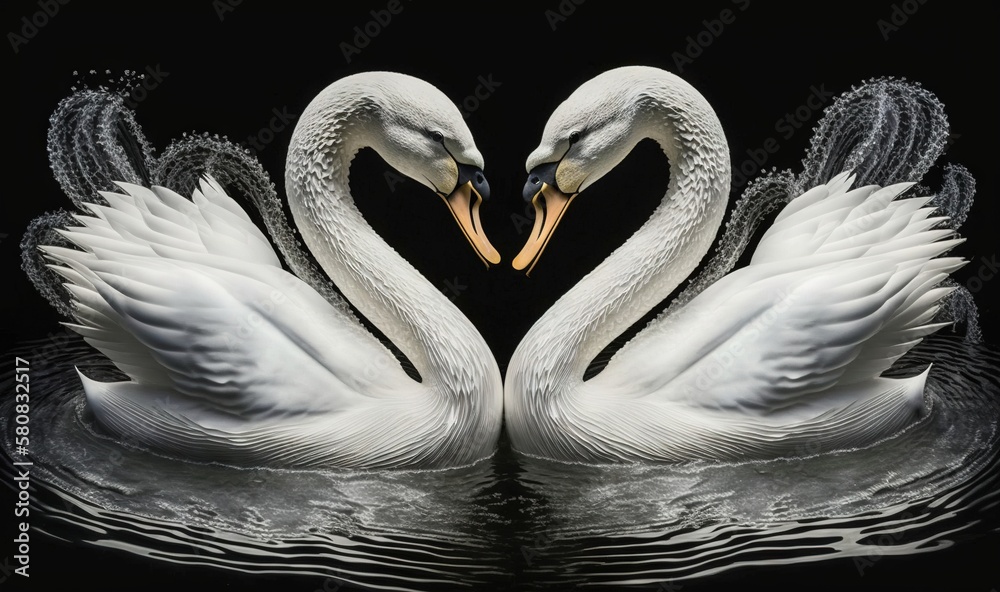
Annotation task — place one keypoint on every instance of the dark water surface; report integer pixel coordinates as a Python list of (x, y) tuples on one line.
[(513, 522)]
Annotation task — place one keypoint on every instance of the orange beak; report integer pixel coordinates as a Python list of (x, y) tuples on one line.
[(550, 206), (464, 204)]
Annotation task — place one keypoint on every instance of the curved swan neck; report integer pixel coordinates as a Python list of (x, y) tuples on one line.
[(658, 257), (396, 298)]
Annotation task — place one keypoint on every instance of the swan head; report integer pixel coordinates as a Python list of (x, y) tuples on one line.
[(587, 136), (418, 131), (423, 135)]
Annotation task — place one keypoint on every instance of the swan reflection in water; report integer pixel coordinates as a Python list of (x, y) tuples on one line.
[(513, 521)]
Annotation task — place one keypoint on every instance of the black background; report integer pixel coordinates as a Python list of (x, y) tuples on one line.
[(228, 67)]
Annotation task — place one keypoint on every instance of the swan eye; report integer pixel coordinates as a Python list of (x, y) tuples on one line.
[(574, 137), (437, 137)]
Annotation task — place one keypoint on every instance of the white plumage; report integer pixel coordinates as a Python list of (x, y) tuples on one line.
[(782, 357), (233, 359)]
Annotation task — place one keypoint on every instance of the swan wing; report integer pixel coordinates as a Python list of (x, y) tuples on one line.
[(188, 297), (843, 284), (840, 223)]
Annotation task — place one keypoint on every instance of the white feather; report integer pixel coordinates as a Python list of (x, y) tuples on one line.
[(233, 359), (782, 356)]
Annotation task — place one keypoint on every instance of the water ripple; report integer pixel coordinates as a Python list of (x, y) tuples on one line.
[(515, 522)]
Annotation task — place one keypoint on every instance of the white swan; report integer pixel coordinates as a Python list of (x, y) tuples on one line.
[(233, 359), (782, 357)]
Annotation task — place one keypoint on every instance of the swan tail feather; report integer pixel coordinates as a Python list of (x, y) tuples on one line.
[(146, 416), (871, 411)]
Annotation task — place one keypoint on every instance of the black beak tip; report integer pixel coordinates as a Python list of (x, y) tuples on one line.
[(541, 174), (531, 187), (472, 174), (481, 185)]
